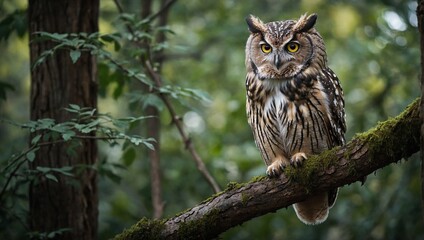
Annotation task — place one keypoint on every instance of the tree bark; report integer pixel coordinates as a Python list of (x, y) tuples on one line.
[(72, 201), (387, 143)]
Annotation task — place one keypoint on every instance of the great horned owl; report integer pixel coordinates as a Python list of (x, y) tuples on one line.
[(295, 103)]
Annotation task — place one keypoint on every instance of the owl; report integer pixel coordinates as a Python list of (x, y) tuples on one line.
[(294, 101)]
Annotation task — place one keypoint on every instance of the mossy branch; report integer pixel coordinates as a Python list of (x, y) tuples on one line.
[(367, 152)]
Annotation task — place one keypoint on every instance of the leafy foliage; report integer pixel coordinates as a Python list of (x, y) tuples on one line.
[(86, 121), (16, 21)]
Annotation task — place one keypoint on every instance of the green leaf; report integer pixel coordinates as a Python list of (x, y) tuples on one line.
[(149, 145), (75, 107), (135, 140), (87, 129), (79, 126), (30, 156), (114, 38), (199, 94), (89, 112), (110, 174), (36, 139), (68, 135), (152, 100), (45, 123), (129, 156), (53, 36), (91, 126), (43, 169), (51, 177), (42, 58), (165, 29), (127, 17), (60, 128), (65, 170), (121, 123), (16, 21), (75, 55)]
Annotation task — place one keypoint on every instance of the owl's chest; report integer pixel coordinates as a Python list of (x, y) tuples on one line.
[(290, 104), (297, 119), (284, 112)]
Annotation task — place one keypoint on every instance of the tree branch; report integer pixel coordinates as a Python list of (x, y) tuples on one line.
[(387, 143)]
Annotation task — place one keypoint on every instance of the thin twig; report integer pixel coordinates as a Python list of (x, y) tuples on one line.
[(121, 10), (152, 17), (164, 8), (15, 170), (21, 221), (42, 144)]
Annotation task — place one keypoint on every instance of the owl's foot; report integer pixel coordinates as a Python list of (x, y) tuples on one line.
[(297, 159), (276, 168)]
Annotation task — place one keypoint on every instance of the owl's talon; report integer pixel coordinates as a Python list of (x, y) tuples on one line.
[(297, 159), (275, 169)]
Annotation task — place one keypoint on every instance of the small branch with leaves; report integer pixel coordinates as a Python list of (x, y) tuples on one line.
[(49, 132)]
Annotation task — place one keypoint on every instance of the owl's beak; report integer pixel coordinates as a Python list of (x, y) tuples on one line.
[(277, 61)]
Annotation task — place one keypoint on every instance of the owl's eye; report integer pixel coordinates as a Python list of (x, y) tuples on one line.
[(292, 47), (266, 48)]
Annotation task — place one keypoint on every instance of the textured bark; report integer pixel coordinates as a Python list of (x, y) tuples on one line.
[(420, 16), (387, 143), (72, 202)]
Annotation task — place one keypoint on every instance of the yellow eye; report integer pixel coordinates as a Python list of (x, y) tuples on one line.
[(266, 48), (292, 47)]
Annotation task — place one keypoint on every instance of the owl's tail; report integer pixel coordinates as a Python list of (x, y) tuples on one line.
[(315, 209)]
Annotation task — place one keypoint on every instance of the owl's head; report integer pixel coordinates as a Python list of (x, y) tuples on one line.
[(281, 50)]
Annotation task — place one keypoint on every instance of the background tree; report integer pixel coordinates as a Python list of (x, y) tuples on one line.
[(70, 204)]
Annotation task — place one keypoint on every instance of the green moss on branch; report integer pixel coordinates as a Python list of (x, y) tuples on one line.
[(143, 229)]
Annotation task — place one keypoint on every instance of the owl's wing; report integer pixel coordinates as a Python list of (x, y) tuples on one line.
[(336, 103)]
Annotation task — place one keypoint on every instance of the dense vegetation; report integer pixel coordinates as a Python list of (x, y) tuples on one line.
[(371, 45)]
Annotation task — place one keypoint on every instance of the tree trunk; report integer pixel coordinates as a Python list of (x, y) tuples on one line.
[(153, 124), (72, 201)]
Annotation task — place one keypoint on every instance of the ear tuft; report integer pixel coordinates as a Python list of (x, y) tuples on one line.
[(305, 23), (255, 24)]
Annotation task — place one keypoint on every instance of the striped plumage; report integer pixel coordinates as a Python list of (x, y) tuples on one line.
[(294, 101)]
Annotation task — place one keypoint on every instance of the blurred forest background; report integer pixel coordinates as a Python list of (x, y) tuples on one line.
[(373, 47)]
